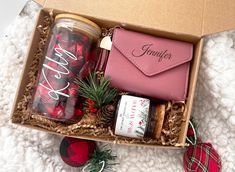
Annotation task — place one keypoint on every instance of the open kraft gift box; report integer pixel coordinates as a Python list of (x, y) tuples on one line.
[(180, 20)]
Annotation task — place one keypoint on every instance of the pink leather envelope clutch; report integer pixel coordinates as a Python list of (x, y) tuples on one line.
[(149, 65)]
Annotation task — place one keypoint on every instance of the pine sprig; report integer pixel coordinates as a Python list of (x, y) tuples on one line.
[(99, 156), (98, 90)]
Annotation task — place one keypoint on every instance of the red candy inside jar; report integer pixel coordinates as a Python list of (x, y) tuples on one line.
[(71, 53)]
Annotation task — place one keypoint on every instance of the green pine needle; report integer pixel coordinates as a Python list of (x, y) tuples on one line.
[(98, 91), (99, 156)]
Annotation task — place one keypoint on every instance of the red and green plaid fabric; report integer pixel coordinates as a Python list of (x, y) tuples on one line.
[(76, 152), (202, 158)]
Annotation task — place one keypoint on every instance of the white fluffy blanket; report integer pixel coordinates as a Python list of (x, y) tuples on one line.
[(26, 150)]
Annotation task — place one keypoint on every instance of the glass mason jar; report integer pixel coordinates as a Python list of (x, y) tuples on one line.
[(71, 52), (138, 117)]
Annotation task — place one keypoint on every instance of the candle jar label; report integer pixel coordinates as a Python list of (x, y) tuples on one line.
[(132, 116)]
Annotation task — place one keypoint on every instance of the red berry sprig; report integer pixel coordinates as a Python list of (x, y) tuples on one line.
[(91, 106)]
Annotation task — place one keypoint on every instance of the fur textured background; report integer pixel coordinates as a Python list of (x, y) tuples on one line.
[(26, 150)]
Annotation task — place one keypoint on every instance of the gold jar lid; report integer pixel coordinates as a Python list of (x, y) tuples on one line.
[(95, 27)]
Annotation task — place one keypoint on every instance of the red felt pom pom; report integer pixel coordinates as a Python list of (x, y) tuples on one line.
[(76, 152), (202, 158)]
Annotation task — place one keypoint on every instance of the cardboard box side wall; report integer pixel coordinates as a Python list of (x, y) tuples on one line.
[(195, 64), (102, 140), (192, 81)]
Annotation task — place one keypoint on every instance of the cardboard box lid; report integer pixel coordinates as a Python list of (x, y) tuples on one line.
[(218, 16), (196, 18)]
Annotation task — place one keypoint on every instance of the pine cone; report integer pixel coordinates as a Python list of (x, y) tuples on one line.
[(106, 116)]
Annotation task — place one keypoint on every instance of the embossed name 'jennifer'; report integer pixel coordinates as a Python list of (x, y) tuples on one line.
[(147, 50)]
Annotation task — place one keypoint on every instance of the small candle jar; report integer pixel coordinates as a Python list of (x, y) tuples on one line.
[(71, 52), (137, 117)]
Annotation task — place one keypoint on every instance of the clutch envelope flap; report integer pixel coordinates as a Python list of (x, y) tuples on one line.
[(151, 55)]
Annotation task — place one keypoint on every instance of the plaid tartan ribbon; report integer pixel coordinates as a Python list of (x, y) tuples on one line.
[(202, 158)]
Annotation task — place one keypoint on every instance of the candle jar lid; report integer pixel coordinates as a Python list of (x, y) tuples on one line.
[(80, 23)]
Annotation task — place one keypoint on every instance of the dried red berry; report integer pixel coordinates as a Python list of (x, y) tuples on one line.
[(78, 112), (94, 110)]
